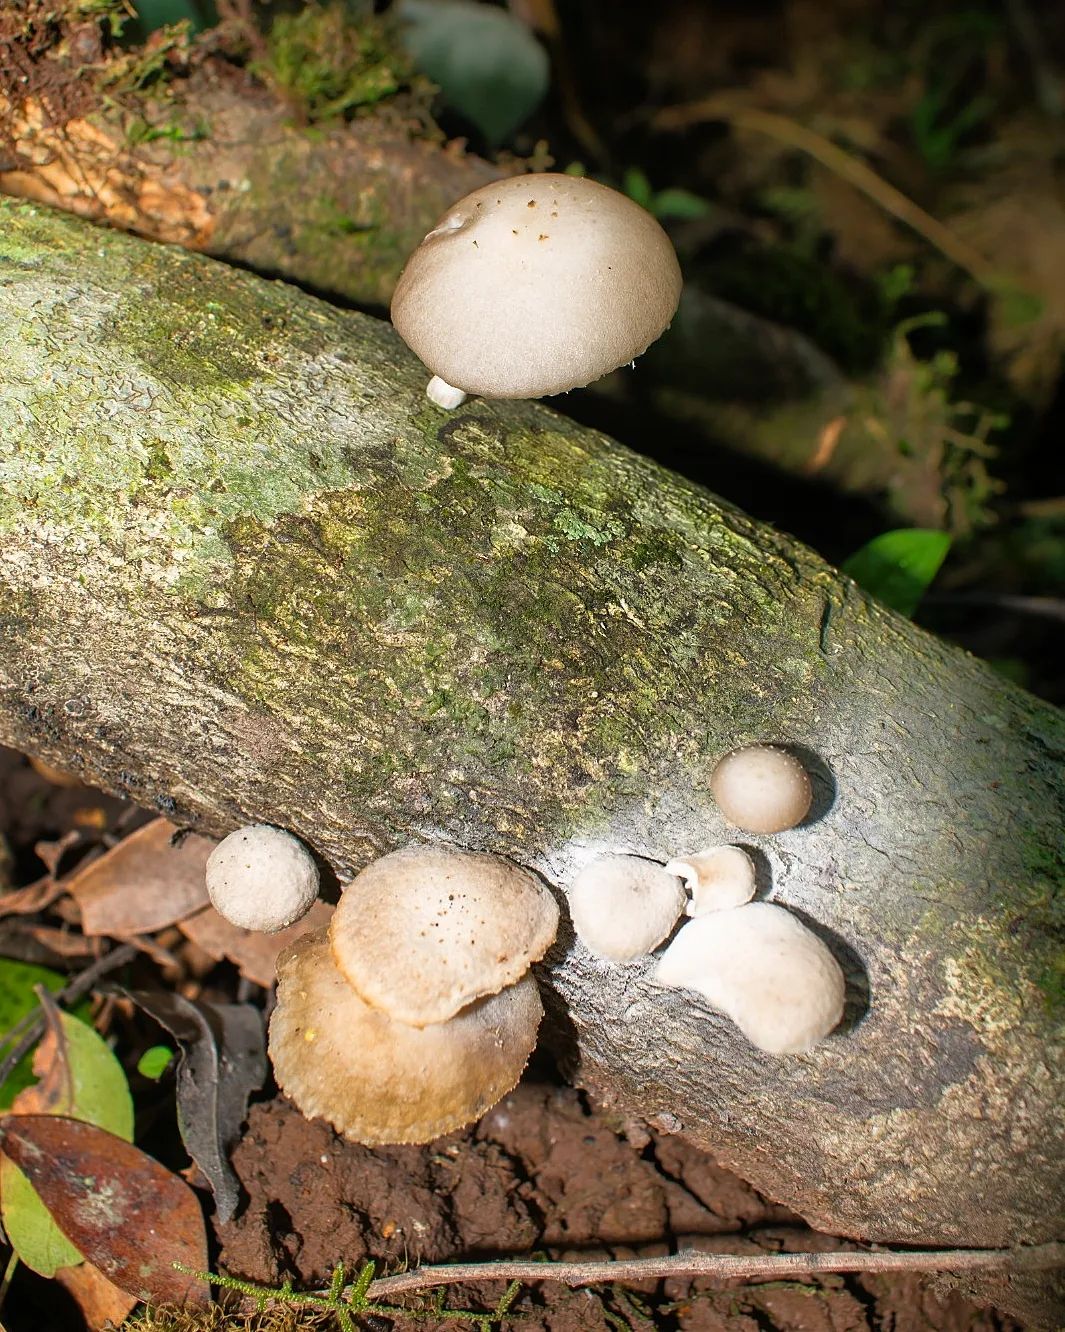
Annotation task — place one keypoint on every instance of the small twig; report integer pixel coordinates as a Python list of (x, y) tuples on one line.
[(843, 164), (1047, 608), (29, 1031), (5, 1282), (721, 1266)]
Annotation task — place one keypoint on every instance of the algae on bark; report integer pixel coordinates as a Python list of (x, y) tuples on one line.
[(247, 573)]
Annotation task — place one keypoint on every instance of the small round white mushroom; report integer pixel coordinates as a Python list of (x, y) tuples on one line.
[(377, 1080), (623, 906), (261, 878), (535, 285), (762, 789), (763, 968), (423, 931), (718, 878)]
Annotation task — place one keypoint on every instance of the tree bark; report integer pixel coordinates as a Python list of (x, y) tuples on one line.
[(248, 573)]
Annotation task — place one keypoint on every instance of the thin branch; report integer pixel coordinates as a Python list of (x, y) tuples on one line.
[(843, 164), (721, 1266)]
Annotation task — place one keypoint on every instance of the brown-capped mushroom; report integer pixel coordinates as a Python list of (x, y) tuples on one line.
[(422, 932), (535, 285), (380, 1081)]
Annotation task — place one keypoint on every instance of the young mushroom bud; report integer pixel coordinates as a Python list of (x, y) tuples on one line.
[(261, 878), (759, 965), (716, 879), (535, 285), (762, 789), (422, 932), (380, 1081), (623, 906)]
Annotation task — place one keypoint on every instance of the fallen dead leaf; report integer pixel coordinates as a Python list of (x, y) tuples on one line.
[(253, 952), (101, 1302), (129, 1216), (144, 883), (34, 897), (223, 1060)]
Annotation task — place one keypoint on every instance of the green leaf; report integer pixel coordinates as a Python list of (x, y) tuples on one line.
[(487, 65), (17, 999), (154, 1062), (636, 185), (897, 567), (681, 204), (155, 14), (85, 1081)]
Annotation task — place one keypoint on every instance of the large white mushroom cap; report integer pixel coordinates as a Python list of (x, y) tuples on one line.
[(763, 968), (261, 878), (536, 285)]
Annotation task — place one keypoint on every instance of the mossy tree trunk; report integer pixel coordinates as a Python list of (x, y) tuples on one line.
[(247, 572)]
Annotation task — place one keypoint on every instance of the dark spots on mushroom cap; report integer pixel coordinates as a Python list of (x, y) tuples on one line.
[(514, 231), (543, 237), (531, 203)]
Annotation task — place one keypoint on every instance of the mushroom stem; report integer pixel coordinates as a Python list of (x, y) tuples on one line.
[(440, 391)]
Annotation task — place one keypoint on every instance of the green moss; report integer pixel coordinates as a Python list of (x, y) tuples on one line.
[(330, 65)]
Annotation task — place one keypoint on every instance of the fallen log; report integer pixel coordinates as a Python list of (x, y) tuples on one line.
[(247, 573)]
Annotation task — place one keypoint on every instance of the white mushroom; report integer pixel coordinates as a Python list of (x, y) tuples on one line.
[(623, 906), (261, 878), (763, 968), (422, 932), (535, 285), (762, 789), (718, 878)]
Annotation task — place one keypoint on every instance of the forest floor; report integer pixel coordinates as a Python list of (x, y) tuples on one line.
[(543, 1173)]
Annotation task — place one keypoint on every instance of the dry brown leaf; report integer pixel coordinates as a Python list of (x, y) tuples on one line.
[(101, 1302), (51, 853), (144, 883), (253, 952), (125, 1212), (34, 897)]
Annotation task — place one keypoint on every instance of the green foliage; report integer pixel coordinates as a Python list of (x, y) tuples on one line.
[(18, 981), (898, 567), (329, 65), (951, 62), (154, 14), (91, 1086), (154, 1062), (668, 203), (488, 65), (348, 1302)]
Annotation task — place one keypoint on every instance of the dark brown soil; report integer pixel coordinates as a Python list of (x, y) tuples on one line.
[(542, 1173)]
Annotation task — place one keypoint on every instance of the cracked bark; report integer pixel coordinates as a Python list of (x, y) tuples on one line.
[(247, 573)]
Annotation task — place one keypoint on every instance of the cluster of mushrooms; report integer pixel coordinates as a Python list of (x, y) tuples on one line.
[(415, 1010), (753, 961)]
